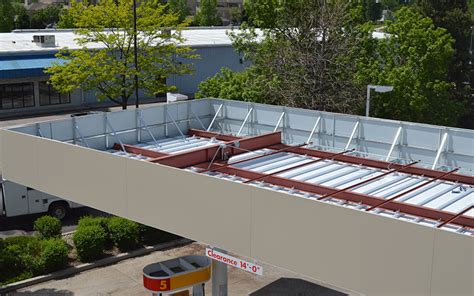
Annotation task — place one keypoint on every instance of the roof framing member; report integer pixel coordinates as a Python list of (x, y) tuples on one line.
[(204, 157), (362, 161)]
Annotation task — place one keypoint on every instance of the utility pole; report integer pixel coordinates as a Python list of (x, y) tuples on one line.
[(135, 49)]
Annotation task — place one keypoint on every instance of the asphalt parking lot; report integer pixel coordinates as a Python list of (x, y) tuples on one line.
[(23, 225)]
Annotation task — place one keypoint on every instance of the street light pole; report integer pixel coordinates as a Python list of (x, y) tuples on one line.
[(377, 88), (135, 49)]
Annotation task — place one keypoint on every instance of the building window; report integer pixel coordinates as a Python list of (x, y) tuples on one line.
[(17, 95), (50, 96)]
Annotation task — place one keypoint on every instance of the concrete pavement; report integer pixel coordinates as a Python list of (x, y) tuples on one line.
[(125, 278)]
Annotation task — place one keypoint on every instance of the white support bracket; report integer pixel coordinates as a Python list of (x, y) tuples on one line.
[(279, 121), (354, 130), (440, 150), (114, 133), (78, 131), (215, 116), (316, 124), (145, 126), (394, 142), (197, 118), (175, 124), (245, 121)]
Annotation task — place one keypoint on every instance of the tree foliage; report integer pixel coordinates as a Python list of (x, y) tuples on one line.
[(247, 85), (45, 16), (6, 16), (207, 13), (22, 19), (415, 60), (303, 54), (106, 61), (454, 16), (180, 8)]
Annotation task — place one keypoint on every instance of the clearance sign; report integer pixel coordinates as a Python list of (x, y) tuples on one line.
[(235, 262)]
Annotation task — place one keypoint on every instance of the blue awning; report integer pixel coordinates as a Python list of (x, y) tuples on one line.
[(17, 68)]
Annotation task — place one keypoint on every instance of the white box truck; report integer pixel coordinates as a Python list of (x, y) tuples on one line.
[(16, 200)]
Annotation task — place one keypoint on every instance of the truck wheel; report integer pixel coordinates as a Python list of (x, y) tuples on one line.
[(58, 210)]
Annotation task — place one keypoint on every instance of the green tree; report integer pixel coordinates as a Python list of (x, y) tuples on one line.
[(22, 19), (247, 85), (415, 60), (371, 9), (262, 13), (6, 16), (303, 54), (207, 13), (66, 20), (45, 16), (109, 68), (179, 7), (454, 16)]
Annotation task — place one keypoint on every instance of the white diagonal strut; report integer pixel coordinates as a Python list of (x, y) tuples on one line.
[(215, 116), (394, 142), (279, 121), (354, 130), (440, 150), (316, 124), (245, 121)]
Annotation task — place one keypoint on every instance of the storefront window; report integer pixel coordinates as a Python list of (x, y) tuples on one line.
[(50, 96), (17, 95)]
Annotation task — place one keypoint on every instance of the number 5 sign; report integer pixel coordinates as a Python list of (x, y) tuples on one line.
[(235, 262)]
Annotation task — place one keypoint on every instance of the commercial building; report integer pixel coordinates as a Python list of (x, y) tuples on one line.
[(378, 207), (23, 87)]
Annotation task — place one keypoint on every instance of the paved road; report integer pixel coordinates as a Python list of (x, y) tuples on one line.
[(23, 225)]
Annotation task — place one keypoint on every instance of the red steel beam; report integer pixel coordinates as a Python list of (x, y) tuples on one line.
[(205, 134), (140, 150), (288, 149), (298, 166), (367, 162), (405, 208), (411, 190), (384, 165), (303, 186), (207, 154), (368, 180), (456, 217)]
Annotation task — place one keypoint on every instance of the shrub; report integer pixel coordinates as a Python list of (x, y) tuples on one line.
[(124, 233), (89, 242), (10, 262), (93, 221), (100, 222), (53, 255), (21, 241), (48, 226)]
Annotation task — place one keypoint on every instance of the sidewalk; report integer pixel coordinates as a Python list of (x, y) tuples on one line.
[(125, 278)]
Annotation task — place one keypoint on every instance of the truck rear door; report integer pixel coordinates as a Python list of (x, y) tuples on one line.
[(15, 198)]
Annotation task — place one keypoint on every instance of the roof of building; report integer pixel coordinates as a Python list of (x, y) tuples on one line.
[(300, 160), (21, 41)]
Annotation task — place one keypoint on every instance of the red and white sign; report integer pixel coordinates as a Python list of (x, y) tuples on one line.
[(235, 262)]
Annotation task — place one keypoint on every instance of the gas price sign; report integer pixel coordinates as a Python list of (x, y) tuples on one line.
[(234, 262)]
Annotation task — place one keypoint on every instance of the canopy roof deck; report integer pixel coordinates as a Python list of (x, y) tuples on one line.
[(413, 172), (334, 197)]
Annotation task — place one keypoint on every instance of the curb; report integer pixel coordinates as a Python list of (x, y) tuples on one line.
[(86, 266)]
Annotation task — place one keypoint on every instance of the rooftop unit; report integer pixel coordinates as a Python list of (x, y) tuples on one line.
[(44, 40)]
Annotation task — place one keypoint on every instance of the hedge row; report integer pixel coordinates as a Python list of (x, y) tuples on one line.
[(23, 257), (94, 234), (26, 256)]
